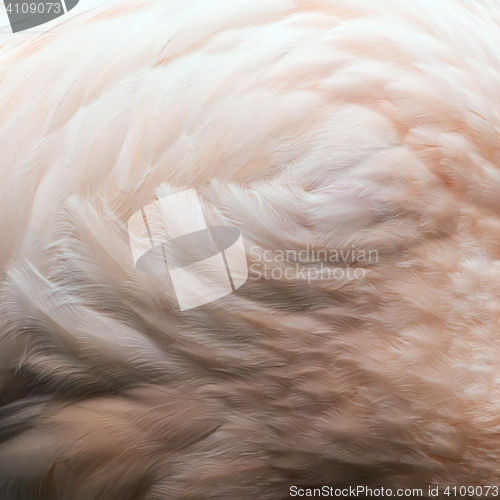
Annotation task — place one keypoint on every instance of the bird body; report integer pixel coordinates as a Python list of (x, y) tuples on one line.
[(308, 125)]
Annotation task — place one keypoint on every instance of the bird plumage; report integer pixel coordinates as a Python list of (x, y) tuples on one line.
[(318, 124)]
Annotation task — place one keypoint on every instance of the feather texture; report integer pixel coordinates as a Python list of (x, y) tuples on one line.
[(320, 124)]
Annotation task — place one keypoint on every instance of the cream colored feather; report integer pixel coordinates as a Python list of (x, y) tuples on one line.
[(370, 124)]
